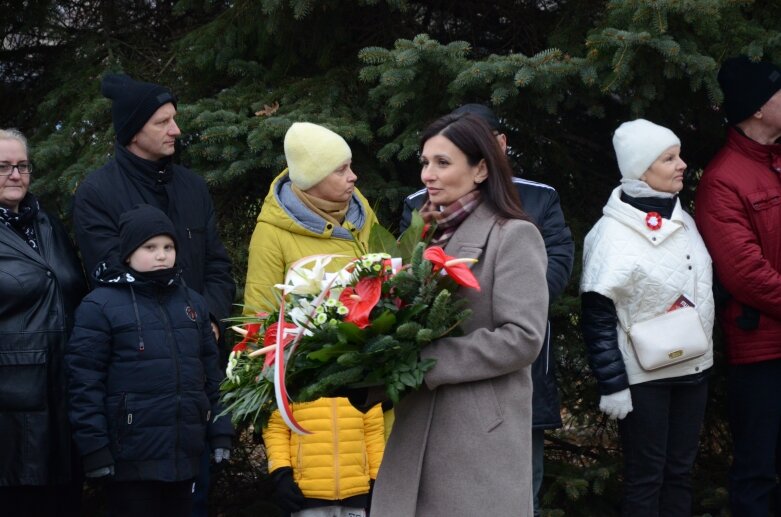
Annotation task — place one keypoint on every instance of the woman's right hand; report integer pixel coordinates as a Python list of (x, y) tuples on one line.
[(616, 405)]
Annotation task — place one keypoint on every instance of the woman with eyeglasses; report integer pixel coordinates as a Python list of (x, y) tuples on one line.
[(41, 283)]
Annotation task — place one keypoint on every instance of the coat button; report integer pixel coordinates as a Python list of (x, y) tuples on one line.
[(653, 239), (690, 267), (329, 226), (688, 257), (49, 274)]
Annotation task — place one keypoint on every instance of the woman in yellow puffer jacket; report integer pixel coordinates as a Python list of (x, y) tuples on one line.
[(314, 208)]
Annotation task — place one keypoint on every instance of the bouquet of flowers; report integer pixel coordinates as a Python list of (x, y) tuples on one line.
[(361, 326)]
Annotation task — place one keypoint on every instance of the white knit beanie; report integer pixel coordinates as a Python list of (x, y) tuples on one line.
[(312, 153), (638, 144)]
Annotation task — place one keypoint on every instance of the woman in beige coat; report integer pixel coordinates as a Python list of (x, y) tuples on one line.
[(461, 445)]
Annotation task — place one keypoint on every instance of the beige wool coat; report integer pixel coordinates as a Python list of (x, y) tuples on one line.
[(461, 445)]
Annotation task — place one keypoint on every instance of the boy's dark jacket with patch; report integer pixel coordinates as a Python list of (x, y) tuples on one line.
[(143, 379)]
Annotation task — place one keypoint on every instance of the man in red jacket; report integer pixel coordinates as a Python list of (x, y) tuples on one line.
[(739, 216)]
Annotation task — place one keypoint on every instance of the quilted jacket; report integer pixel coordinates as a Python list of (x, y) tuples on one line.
[(644, 271), (739, 216), (287, 230), (337, 460), (143, 380)]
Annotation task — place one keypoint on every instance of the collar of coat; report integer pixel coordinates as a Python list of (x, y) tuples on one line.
[(471, 236), (283, 209), (148, 172), (634, 219), (769, 155)]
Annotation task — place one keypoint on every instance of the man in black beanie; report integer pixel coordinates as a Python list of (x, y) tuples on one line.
[(738, 214), (142, 171)]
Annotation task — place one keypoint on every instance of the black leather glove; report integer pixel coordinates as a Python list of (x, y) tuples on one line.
[(289, 496), (369, 498)]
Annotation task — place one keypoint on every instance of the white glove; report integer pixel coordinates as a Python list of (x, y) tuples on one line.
[(221, 454), (616, 405)]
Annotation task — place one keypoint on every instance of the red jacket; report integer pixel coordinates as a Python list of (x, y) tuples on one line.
[(739, 216)]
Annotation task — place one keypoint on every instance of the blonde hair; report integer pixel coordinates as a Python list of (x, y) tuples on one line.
[(14, 134)]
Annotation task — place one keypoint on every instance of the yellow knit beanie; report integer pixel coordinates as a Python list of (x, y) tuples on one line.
[(312, 153)]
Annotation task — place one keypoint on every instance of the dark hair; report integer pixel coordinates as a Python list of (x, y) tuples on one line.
[(474, 137)]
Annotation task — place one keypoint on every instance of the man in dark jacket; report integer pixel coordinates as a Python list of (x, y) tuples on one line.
[(541, 203), (142, 171), (738, 214)]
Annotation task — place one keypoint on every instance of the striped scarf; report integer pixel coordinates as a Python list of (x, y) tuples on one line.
[(449, 218)]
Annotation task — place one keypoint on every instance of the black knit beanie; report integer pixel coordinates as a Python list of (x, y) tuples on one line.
[(138, 225), (133, 102), (747, 86)]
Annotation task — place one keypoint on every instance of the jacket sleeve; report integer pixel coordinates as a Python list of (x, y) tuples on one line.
[(520, 310), (374, 434), (559, 246), (265, 268), (219, 286), (220, 429), (600, 332), (276, 436), (736, 249), (86, 361), (97, 234)]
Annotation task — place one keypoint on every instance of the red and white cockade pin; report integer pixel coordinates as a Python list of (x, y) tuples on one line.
[(653, 220)]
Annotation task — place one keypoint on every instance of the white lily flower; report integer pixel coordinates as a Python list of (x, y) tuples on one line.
[(304, 281)]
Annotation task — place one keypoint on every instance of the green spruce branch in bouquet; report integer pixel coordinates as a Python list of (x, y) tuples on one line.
[(361, 326)]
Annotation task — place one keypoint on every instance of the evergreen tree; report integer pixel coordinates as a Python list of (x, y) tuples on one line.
[(561, 74)]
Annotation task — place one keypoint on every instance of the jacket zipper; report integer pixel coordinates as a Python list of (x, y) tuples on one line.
[(335, 434), (172, 348)]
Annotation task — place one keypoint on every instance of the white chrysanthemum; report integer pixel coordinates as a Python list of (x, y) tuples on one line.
[(232, 361)]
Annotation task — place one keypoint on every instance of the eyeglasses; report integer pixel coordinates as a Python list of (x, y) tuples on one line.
[(6, 169)]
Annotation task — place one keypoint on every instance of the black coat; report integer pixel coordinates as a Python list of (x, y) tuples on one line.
[(143, 381), (120, 185), (38, 296), (541, 203)]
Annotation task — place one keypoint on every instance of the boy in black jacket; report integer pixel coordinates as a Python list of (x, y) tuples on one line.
[(143, 377)]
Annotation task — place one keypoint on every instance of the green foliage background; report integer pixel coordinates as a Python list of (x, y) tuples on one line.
[(562, 74)]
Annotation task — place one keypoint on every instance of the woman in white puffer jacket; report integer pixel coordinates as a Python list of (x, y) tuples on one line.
[(642, 258)]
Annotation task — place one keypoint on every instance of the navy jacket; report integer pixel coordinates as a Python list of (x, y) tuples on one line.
[(143, 380), (541, 203), (183, 195)]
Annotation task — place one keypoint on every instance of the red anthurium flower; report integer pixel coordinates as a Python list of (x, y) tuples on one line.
[(252, 333), (271, 338), (653, 220), (456, 268), (361, 300)]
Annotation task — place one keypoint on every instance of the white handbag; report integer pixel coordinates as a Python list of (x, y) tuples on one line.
[(671, 338)]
